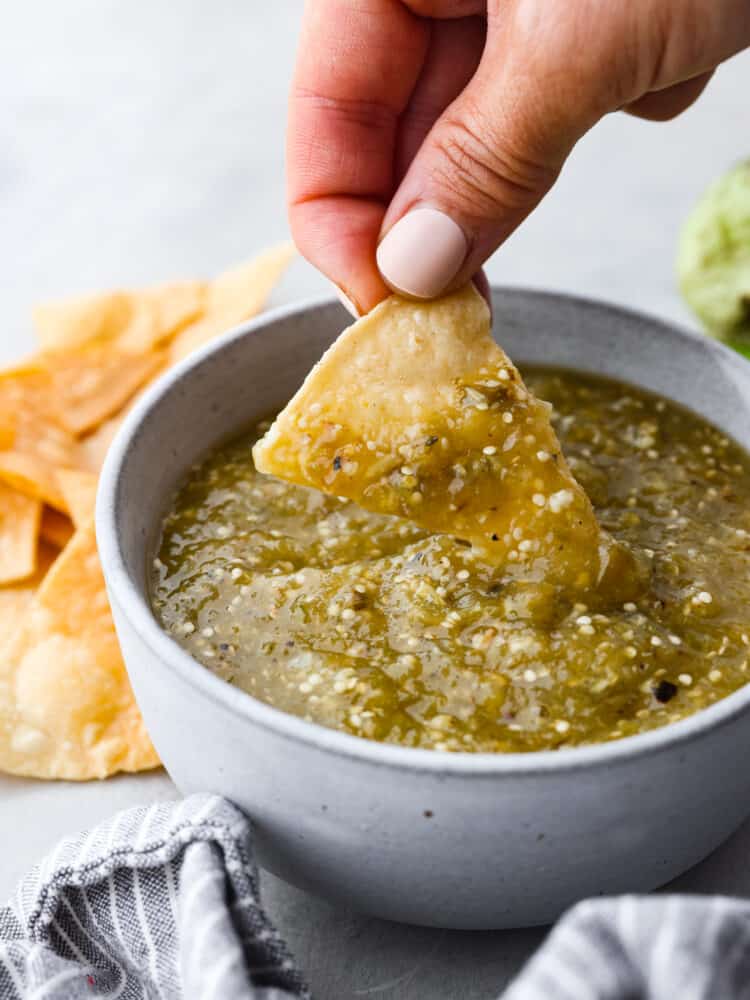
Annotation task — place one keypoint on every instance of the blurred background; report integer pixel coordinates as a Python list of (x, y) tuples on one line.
[(145, 140), (142, 141)]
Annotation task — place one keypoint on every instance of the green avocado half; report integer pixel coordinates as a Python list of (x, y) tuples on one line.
[(713, 262)]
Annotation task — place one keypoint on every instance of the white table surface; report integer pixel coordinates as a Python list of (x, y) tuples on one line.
[(143, 141)]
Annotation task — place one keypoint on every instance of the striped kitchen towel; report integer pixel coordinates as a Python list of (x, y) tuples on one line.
[(158, 902), (163, 903), (643, 948)]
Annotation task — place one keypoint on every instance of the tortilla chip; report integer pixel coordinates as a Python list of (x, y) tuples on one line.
[(76, 322), (79, 490), (32, 476), (234, 297), (17, 597), (26, 400), (416, 411), (89, 385), (95, 446), (162, 312), (56, 529), (7, 434), (19, 533), (133, 321), (66, 706), (40, 444), (243, 289)]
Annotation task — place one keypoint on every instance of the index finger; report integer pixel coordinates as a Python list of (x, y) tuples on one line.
[(357, 65)]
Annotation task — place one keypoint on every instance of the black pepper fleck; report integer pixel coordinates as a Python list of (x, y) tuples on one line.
[(337, 463), (664, 691)]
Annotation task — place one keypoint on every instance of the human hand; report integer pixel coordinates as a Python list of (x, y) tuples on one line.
[(422, 132)]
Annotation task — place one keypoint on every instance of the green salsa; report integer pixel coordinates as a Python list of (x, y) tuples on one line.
[(366, 623)]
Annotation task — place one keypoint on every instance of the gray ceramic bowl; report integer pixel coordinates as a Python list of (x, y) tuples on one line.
[(452, 840)]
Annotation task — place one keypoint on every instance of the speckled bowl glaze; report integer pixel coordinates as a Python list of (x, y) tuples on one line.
[(450, 840)]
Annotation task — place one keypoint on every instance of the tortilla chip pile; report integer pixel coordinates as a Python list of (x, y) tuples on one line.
[(66, 706)]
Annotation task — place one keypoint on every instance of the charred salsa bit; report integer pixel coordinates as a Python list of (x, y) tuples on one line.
[(393, 634), (664, 691)]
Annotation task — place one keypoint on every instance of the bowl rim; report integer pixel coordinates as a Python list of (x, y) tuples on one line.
[(134, 605)]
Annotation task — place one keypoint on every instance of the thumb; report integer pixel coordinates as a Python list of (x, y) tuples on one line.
[(487, 161)]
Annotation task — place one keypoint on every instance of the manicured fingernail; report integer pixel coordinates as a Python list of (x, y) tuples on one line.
[(346, 302), (422, 253)]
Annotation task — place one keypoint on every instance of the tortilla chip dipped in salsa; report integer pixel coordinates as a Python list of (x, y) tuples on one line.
[(416, 411)]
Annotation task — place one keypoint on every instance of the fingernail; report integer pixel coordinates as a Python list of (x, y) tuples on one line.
[(422, 253), (345, 301)]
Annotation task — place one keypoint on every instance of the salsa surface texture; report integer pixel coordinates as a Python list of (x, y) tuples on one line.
[(369, 624)]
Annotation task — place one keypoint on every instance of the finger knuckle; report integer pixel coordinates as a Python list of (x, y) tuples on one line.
[(368, 115), (676, 42), (445, 8), (491, 174)]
